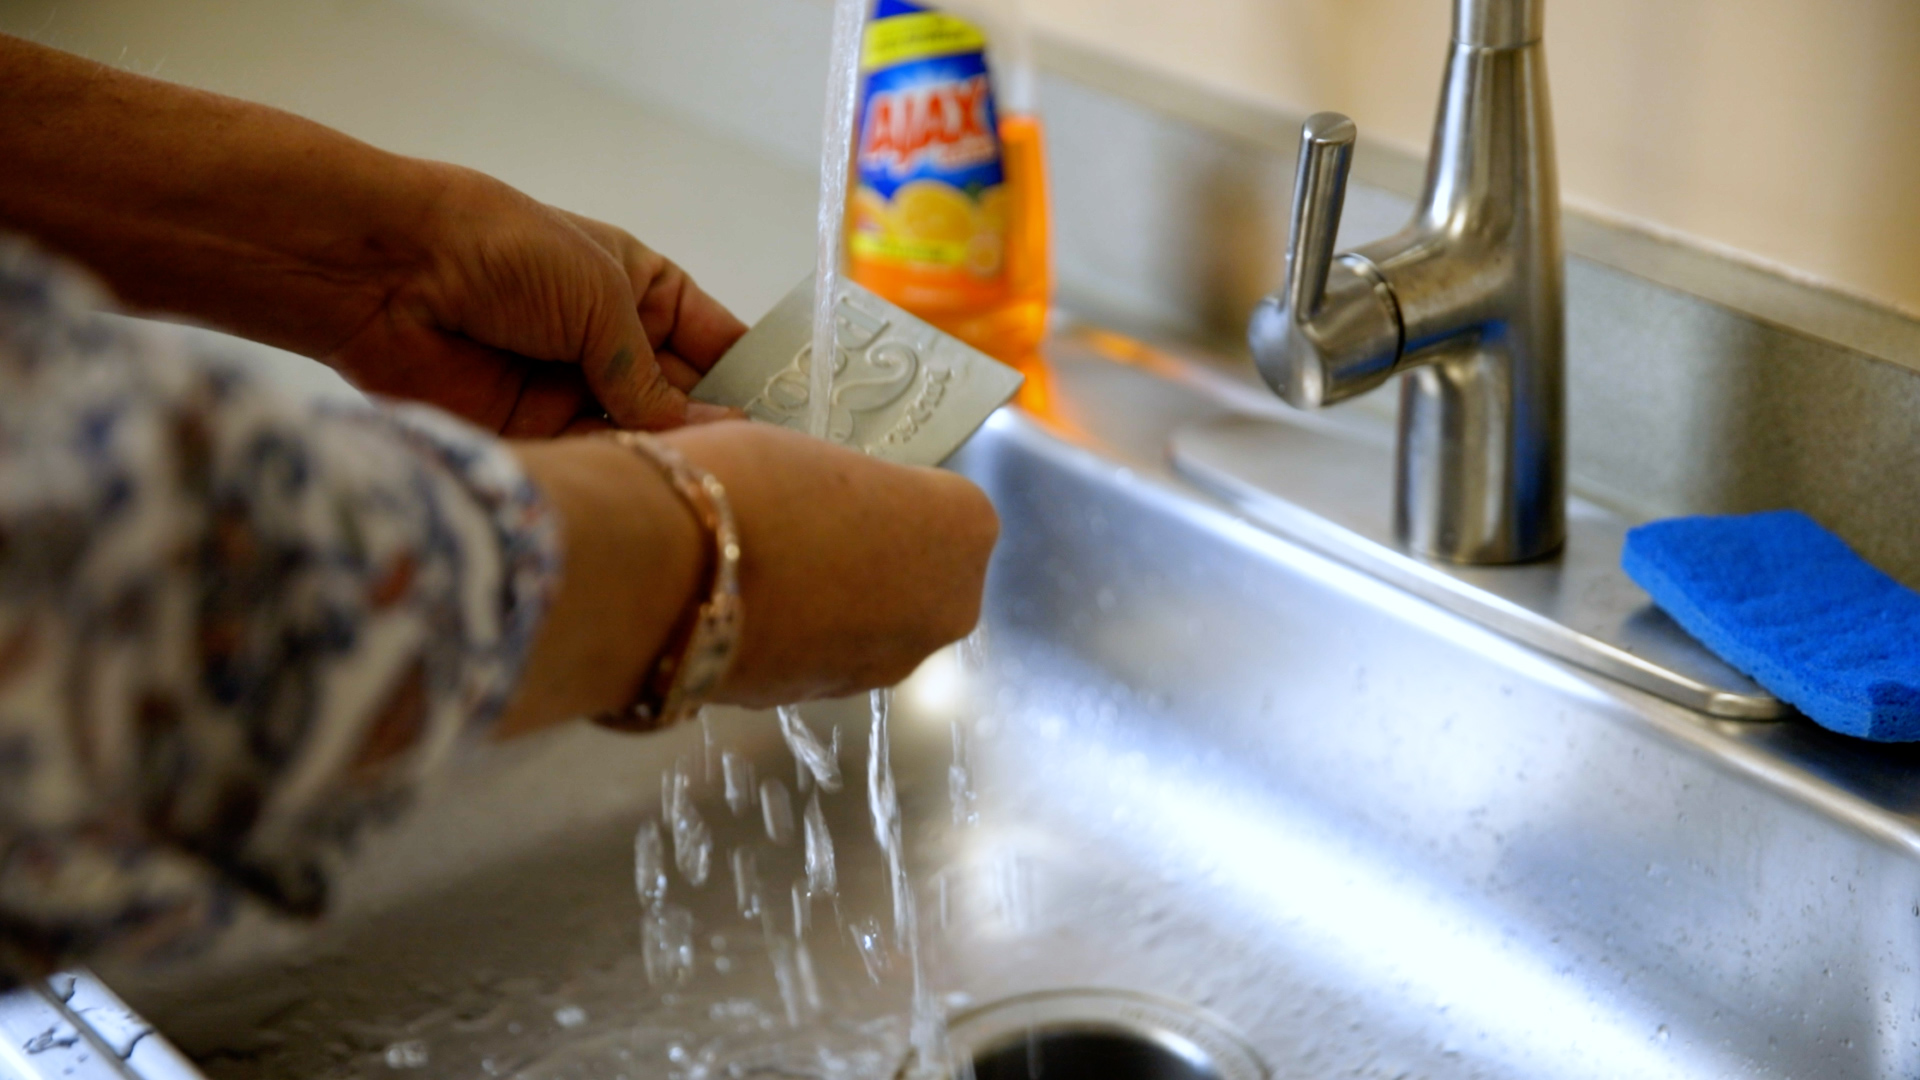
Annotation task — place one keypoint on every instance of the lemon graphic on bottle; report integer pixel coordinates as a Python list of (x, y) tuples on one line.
[(933, 220)]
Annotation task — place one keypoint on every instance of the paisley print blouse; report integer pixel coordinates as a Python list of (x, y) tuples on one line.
[(234, 627)]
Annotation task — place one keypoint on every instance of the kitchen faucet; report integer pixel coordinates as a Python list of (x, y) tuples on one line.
[(1466, 302)]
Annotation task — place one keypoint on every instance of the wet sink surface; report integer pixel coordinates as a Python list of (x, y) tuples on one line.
[(1197, 762)]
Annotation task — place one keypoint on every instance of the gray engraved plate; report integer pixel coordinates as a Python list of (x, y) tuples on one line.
[(902, 390)]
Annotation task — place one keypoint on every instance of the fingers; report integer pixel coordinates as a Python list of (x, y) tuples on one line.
[(682, 375), (653, 352), (701, 412), (619, 361), (588, 425), (403, 359), (551, 399), (623, 375), (679, 317)]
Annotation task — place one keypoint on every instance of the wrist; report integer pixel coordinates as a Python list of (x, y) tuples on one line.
[(700, 651), (633, 560)]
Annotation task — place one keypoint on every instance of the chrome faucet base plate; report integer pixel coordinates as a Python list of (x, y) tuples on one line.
[(1331, 494)]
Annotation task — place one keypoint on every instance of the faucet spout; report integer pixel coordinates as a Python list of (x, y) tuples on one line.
[(1466, 303)]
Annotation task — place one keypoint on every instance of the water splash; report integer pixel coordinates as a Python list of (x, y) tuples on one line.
[(692, 840), (836, 155), (821, 875), (820, 762)]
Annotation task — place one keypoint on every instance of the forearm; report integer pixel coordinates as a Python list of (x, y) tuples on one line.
[(238, 215), (633, 557)]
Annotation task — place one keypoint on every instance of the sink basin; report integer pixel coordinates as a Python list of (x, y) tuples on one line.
[(1186, 759)]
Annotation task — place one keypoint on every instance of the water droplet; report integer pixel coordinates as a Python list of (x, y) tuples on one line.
[(820, 762), (821, 877), (869, 939), (780, 951), (809, 982), (570, 1016), (776, 810), (737, 772), (746, 883), (692, 842), (649, 864), (666, 945), (411, 1054), (802, 910)]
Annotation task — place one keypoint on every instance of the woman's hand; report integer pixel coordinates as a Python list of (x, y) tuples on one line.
[(415, 279), (532, 322), (852, 570)]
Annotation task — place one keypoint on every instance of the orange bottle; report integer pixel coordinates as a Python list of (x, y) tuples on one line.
[(948, 211)]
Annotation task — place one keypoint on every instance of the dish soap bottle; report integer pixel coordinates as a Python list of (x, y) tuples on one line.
[(948, 215)]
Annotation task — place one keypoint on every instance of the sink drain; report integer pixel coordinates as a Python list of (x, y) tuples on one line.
[(1097, 1035)]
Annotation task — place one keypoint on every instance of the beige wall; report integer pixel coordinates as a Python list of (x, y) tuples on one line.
[(1787, 130)]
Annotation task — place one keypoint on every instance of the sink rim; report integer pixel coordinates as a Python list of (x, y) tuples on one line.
[(1858, 784)]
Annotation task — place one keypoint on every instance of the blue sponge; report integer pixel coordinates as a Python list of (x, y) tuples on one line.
[(1790, 604)]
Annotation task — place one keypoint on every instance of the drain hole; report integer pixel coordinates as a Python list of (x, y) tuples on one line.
[(1090, 1034), (1087, 1055)]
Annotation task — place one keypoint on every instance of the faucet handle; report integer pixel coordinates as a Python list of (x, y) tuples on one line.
[(1319, 193), (1333, 330)]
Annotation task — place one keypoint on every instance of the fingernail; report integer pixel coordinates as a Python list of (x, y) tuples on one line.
[(701, 412)]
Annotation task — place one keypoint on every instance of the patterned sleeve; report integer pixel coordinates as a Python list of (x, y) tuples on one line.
[(233, 627)]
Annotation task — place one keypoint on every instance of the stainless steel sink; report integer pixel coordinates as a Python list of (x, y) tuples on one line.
[(1205, 765)]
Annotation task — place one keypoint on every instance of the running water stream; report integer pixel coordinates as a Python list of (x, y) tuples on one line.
[(836, 155), (926, 1021)]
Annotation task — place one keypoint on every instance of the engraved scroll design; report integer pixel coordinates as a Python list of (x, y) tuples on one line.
[(869, 374)]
